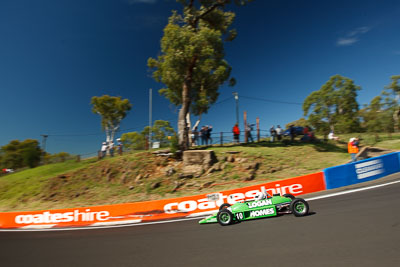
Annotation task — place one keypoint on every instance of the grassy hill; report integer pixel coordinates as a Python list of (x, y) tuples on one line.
[(143, 176)]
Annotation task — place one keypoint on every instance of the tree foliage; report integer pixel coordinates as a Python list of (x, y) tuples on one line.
[(382, 114), (392, 96), (17, 154), (334, 106), (112, 110), (191, 64), (371, 115), (300, 122), (160, 132), (133, 140), (57, 157)]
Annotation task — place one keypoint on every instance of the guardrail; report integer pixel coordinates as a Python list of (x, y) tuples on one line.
[(154, 210), (362, 171), (334, 177)]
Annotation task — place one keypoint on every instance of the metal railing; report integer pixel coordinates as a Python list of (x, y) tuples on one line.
[(224, 138)]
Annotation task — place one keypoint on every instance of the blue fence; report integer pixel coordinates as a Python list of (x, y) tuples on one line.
[(362, 171)]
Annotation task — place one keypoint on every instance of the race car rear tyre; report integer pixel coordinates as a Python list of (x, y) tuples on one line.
[(224, 206), (224, 217), (299, 207), (289, 196)]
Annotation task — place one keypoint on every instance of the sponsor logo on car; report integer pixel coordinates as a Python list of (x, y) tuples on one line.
[(72, 216), (259, 213), (260, 203), (369, 168), (206, 204)]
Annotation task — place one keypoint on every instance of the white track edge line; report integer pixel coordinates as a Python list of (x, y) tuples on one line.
[(352, 191)]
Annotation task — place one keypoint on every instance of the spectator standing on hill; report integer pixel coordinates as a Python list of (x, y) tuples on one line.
[(279, 132), (272, 133), (306, 130), (208, 134), (249, 128), (119, 146), (195, 136), (111, 148), (203, 135), (352, 148), (292, 132), (236, 133), (306, 134), (103, 149), (200, 136)]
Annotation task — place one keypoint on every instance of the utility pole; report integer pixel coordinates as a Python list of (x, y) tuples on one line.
[(237, 106), (150, 116), (44, 142), (43, 159), (245, 127)]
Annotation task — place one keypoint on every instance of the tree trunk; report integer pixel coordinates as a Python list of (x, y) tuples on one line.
[(396, 119), (183, 130), (108, 134), (189, 122), (197, 122), (183, 133)]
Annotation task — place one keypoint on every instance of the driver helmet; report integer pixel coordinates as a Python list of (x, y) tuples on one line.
[(259, 196)]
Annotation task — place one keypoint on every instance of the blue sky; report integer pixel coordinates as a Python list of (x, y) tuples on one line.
[(56, 55)]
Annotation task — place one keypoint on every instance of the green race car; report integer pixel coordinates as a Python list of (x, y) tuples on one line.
[(263, 205)]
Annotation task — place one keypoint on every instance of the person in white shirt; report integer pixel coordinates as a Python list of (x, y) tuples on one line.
[(331, 136), (103, 149), (279, 131)]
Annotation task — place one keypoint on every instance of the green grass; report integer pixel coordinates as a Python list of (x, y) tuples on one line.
[(113, 180), (371, 139), (389, 144), (21, 186)]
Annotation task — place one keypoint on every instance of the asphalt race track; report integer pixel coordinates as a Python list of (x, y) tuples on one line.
[(357, 229)]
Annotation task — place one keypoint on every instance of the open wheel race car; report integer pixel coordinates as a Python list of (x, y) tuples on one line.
[(263, 205)]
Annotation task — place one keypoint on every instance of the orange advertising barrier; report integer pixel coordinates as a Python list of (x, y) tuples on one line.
[(156, 210)]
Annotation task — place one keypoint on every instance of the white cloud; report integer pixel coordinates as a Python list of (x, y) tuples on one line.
[(353, 36), (346, 41), (359, 31)]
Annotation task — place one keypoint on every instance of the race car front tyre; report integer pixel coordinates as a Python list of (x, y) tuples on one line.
[(299, 207), (224, 217), (224, 206)]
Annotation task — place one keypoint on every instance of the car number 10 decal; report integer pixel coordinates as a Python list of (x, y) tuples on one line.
[(239, 216)]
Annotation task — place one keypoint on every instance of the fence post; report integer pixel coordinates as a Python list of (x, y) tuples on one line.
[(221, 139), (78, 158), (99, 156), (258, 129)]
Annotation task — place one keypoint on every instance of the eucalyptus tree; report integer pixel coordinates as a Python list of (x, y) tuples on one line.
[(133, 140), (191, 64), (392, 93), (112, 110), (371, 115), (160, 131), (17, 154), (334, 106)]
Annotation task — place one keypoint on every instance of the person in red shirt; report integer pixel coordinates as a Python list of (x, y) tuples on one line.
[(352, 148), (236, 133)]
